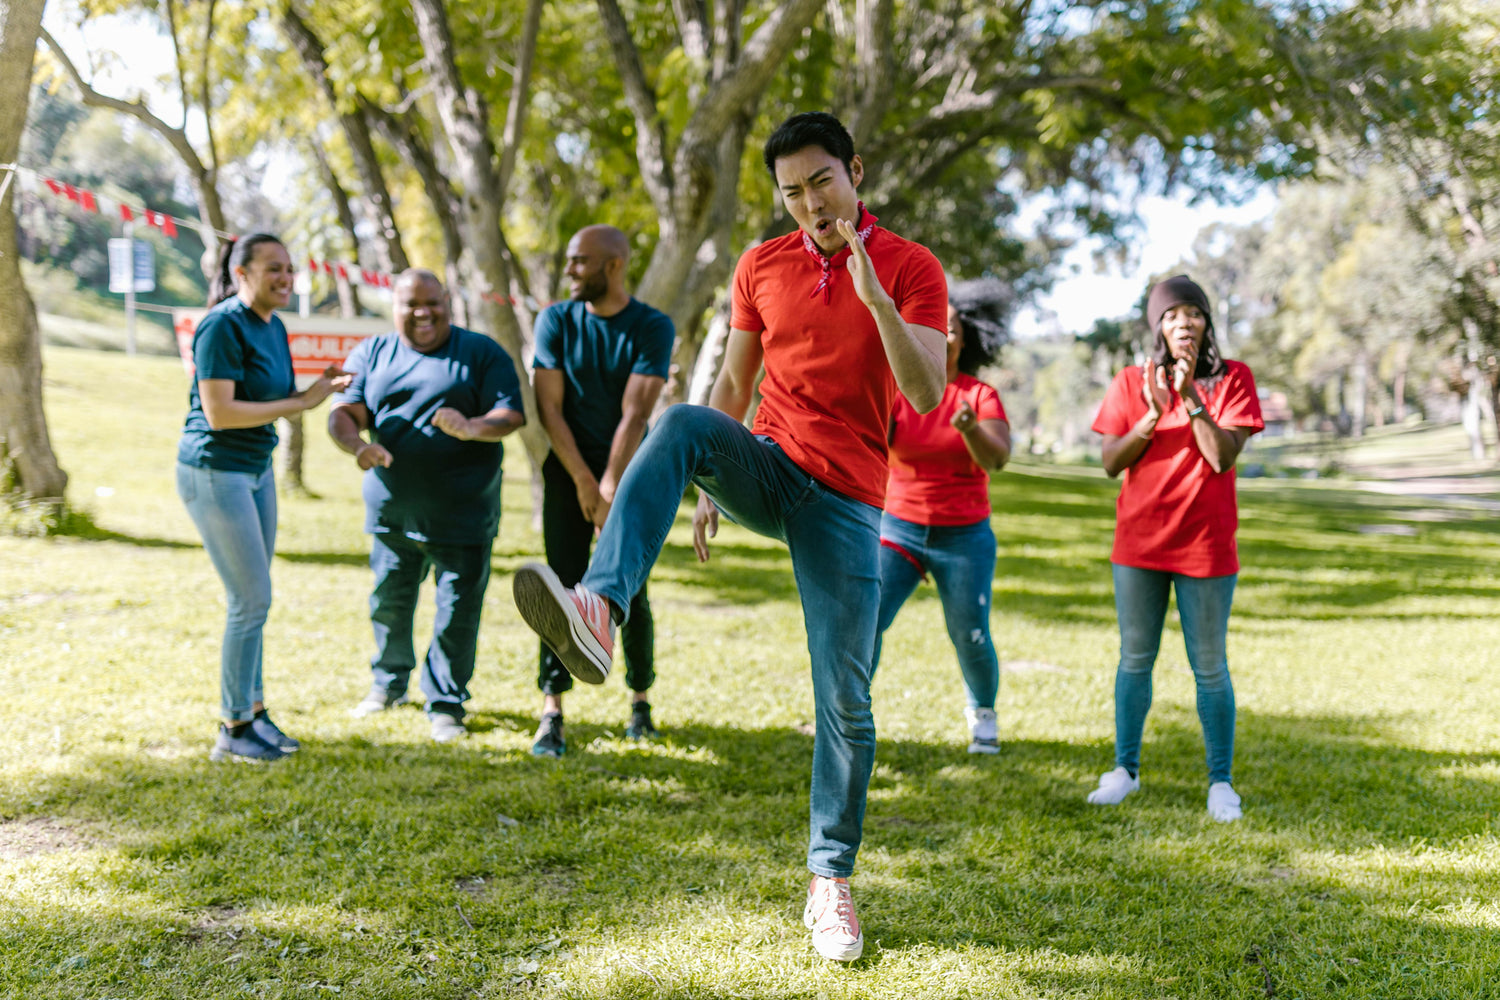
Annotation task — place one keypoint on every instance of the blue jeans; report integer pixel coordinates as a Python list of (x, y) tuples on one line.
[(835, 547), (1203, 604), (461, 573), (235, 513), (961, 559)]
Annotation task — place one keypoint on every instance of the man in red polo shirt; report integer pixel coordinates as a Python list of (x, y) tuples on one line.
[(843, 315)]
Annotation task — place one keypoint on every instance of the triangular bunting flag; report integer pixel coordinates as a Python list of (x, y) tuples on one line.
[(86, 199), (168, 226), (126, 215)]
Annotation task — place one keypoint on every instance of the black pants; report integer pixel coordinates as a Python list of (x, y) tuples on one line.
[(568, 537)]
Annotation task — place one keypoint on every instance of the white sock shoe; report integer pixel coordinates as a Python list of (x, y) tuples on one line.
[(1224, 802), (984, 730), (1113, 787)]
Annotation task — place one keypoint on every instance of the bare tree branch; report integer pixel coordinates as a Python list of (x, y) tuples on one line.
[(520, 92)]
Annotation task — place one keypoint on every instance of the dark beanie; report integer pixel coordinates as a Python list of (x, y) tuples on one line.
[(1178, 290)]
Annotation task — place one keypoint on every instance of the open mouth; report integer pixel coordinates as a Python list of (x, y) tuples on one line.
[(824, 227)]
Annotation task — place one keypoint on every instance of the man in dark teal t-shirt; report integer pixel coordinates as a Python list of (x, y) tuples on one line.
[(602, 358), (435, 400)]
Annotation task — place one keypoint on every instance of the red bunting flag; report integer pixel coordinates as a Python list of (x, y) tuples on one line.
[(169, 226), (86, 199), (126, 215), (343, 273), (52, 185), (71, 192)]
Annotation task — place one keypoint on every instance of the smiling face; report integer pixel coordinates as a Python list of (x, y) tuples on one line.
[(817, 190), (1183, 326), (420, 309), (588, 268), (265, 281)]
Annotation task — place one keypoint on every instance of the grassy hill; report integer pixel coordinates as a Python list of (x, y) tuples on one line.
[(376, 864)]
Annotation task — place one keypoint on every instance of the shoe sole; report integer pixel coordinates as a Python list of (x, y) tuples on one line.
[(548, 611), (987, 748), (229, 756)]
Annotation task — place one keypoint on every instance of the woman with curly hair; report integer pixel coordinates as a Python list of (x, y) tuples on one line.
[(937, 507), (1174, 426)]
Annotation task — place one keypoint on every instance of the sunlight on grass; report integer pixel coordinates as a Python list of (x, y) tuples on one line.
[(376, 864)]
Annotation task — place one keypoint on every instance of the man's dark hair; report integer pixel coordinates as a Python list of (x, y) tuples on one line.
[(811, 128)]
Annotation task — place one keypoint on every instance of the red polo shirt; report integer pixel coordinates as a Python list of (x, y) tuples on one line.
[(1174, 512), (828, 389), (934, 479)]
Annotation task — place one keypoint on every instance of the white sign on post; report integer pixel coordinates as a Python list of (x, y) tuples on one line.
[(121, 269)]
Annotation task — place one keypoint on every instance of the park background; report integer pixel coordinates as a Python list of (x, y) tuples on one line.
[(1341, 159)]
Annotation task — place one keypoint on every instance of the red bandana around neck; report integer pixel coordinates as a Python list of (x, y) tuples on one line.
[(839, 259)]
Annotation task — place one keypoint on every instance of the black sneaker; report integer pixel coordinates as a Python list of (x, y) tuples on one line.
[(640, 727), (549, 736), (272, 734), (247, 747)]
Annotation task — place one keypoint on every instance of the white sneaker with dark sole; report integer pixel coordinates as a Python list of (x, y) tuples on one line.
[(575, 622)]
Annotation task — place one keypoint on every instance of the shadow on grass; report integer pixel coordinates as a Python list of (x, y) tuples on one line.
[(477, 854)]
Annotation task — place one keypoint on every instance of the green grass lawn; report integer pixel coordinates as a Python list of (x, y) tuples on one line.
[(377, 864)]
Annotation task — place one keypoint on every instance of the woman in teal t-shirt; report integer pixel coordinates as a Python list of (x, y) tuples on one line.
[(243, 382)]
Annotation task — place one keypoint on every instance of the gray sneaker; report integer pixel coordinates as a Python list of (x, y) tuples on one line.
[(378, 700), (446, 728), (549, 736)]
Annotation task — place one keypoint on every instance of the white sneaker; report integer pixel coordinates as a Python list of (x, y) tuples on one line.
[(1113, 787), (984, 730), (829, 913), (1224, 802)]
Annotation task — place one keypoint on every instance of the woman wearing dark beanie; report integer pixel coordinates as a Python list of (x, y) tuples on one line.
[(1174, 426)]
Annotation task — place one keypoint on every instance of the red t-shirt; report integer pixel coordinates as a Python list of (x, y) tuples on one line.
[(828, 389), (1174, 512), (934, 480)]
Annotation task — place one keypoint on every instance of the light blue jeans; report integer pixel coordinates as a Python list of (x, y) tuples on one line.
[(961, 559), (1203, 604), (835, 547), (235, 513)]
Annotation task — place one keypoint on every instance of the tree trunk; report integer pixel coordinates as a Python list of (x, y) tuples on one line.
[(357, 134), (465, 118), (1360, 394), (24, 443)]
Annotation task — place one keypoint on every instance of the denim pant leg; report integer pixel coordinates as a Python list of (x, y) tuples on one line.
[(835, 547), (1141, 605), (638, 643), (899, 576), (566, 536), (235, 514), (747, 478), (400, 566), (962, 560), (1203, 604), (461, 573)]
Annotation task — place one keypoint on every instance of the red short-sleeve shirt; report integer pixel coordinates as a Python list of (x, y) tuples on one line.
[(934, 480), (1174, 512), (828, 389)]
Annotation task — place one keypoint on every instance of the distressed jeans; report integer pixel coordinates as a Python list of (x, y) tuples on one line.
[(834, 542), (961, 559), (235, 513), (1203, 604)]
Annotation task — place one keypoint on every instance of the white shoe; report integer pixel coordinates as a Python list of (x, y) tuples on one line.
[(984, 730), (1224, 802), (1113, 787), (829, 913)]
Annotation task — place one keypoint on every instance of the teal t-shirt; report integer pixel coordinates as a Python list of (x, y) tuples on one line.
[(597, 355), (438, 489), (233, 342)]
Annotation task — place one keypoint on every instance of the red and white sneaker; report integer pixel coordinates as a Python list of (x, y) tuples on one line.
[(574, 622), (830, 915)]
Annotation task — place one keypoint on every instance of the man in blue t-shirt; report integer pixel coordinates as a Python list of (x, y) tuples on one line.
[(601, 361), (436, 399)]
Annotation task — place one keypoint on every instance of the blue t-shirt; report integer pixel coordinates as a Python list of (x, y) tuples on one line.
[(597, 355), (438, 488), (233, 342)]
